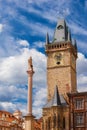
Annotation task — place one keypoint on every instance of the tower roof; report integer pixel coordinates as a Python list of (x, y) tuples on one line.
[(56, 97), (62, 32), (47, 38), (57, 100)]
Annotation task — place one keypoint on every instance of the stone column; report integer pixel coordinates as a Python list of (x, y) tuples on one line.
[(29, 118)]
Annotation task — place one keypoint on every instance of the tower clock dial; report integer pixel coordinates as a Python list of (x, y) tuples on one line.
[(58, 57)]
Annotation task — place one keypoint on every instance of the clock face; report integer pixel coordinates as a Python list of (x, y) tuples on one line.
[(58, 58)]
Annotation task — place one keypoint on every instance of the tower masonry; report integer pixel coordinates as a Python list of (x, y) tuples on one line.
[(66, 108), (61, 61)]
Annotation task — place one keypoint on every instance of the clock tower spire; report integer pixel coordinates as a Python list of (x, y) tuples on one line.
[(61, 61)]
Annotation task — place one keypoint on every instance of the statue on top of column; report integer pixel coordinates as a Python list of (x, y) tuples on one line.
[(30, 65)]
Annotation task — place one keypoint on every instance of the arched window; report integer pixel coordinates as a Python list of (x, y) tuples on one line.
[(60, 27), (64, 123), (49, 123)]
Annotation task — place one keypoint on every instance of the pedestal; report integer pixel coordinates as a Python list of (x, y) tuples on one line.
[(29, 122)]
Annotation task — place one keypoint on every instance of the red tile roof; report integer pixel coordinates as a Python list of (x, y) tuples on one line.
[(37, 124)]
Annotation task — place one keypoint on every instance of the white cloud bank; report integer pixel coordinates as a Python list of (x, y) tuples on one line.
[(13, 76), (1, 27), (23, 43), (82, 72)]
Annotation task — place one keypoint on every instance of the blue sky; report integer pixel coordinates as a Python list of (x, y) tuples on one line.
[(23, 28)]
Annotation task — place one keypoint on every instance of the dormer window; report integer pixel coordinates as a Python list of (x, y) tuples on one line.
[(60, 27)]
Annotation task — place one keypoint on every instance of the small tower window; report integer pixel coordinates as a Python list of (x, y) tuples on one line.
[(79, 103), (58, 120), (49, 124), (79, 119), (64, 123), (60, 27), (54, 120)]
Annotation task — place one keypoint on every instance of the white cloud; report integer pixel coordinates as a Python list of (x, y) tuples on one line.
[(8, 46), (39, 101), (12, 107), (41, 93), (81, 64), (37, 112), (12, 93), (7, 106), (11, 67), (82, 79), (13, 72), (82, 72), (38, 44), (24, 43), (76, 29), (1, 27)]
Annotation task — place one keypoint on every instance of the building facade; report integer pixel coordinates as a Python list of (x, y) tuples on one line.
[(61, 82), (78, 111), (9, 121)]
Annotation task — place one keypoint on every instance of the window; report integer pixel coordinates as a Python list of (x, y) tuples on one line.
[(79, 103), (58, 124), (46, 124), (63, 122), (79, 119), (60, 27), (49, 124), (54, 120)]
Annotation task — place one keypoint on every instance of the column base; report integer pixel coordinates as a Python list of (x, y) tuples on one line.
[(29, 122)]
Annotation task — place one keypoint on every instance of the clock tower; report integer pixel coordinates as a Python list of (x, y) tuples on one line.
[(61, 61)]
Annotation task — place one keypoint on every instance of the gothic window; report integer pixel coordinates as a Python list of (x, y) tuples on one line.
[(54, 120), (79, 119), (58, 121), (46, 125), (63, 122), (49, 124), (60, 27), (79, 103)]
